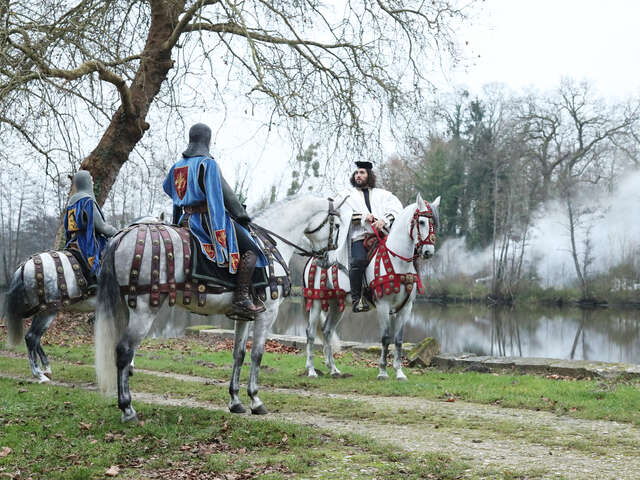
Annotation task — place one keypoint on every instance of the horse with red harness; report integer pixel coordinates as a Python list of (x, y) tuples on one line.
[(391, 276)]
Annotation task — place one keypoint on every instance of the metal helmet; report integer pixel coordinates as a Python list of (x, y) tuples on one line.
[(199, 140), (83, 184)]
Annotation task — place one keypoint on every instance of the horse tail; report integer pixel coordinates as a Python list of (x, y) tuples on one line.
[(111, 320), (14, 309)]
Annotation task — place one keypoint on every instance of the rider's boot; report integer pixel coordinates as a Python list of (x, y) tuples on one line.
[(243, 307), (356, 272)]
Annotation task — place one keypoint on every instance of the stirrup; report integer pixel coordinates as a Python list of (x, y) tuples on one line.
[(240, 316), (360, 306)]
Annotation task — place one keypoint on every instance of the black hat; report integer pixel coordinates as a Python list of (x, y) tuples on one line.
[(367, 165)]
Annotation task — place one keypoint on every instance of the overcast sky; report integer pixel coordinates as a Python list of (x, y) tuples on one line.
[(525, 43), (520, 43)]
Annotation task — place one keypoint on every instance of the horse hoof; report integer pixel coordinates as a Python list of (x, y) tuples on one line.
[(403, 379), (129, 415), (383, 377), (260, 410), (44, 378), (237, 408), (312, 374)]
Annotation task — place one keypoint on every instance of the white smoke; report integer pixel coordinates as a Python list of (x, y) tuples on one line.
[(607, 224)]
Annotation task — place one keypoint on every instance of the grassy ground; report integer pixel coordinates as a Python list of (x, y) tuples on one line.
[(57, 432)]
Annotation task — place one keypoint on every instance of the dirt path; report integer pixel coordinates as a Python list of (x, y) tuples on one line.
[(541, 444)]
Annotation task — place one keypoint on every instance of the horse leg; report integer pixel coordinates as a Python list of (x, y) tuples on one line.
[(401, 318), (385, 328), (139, 324), (257, 350), (39, 324), (328, 332), (239, 350), (313, 317)]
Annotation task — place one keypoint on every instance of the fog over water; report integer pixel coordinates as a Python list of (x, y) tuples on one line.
[(607, 220)]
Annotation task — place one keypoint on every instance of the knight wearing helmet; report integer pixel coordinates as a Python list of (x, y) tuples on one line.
[(86, 230), (205, 203)]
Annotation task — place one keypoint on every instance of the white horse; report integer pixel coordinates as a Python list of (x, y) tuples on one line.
[(132, 290), (391, 273), (43, 285)]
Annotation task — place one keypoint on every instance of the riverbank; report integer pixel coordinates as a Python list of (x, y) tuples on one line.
[(438, 425)]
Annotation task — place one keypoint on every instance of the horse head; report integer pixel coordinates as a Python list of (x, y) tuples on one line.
[(325, 230), (424, 225)]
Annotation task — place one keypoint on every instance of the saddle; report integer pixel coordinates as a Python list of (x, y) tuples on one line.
[(202, 277), (208, 271), (92, 279)]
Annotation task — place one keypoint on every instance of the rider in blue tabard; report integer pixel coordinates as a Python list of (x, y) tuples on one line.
[(86, 230), (204, 202)]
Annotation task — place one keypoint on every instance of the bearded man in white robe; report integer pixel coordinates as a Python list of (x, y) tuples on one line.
[(371, 208)]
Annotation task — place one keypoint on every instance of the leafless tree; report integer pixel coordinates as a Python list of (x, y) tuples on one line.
[(72, 70)]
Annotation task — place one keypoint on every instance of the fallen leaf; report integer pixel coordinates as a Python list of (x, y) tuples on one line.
[(22, 390), (84, 426), (112, 471), (4, 451), (179, 419), (285, 438), (451, 399)]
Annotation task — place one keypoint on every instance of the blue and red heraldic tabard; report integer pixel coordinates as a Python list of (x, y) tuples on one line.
[(83, 233), (182, 186)]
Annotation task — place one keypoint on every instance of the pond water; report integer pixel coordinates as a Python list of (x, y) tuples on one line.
[(610, 335), (570, 333)]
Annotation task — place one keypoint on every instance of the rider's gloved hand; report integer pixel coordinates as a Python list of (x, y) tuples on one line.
[(244, 220)]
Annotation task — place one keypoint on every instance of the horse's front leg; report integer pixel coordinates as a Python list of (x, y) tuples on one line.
[(328, 332), (313, 318), (401, 319), (260, 328), (39, 326), (140, 320), (239, 350)]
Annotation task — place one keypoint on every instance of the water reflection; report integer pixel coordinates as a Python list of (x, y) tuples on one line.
[(607, 335)]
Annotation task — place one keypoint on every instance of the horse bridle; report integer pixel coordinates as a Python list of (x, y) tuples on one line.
[(332, 243), (430, 239)]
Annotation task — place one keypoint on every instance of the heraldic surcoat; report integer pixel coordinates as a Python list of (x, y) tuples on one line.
[(79, 229), (212, 227)]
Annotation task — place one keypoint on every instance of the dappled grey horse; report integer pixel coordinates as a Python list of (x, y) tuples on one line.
[(138, 276), (392, 275), (43, 285)]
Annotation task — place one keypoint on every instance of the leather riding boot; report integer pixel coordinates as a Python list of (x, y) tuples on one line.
[(355, 279), (243, 307)]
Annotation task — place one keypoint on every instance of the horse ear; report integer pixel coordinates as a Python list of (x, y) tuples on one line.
[(436, 202), (419, 201)]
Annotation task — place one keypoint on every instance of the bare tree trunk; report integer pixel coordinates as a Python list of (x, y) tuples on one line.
[(127, 127), (574, 250)]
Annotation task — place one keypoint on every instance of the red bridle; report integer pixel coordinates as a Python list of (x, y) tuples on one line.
[(430, 239)]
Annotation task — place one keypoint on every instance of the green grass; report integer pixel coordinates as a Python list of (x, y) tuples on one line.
[(589, 399), (60, 433)]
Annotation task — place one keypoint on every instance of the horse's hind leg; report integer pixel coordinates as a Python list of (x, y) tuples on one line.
[(239, 351), (140, 321), (385, 328), (313, 318), (39, 324), (328, 332), (257, 350)]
